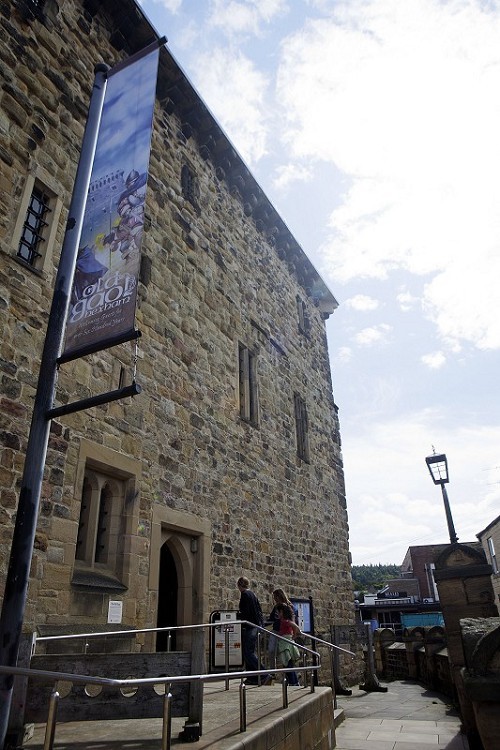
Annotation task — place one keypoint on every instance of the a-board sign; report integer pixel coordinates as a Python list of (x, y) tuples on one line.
[(230, 624)]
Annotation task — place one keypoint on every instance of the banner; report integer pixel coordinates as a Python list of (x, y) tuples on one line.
[(103, 297)]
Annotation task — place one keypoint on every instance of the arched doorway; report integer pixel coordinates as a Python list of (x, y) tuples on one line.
[(179, 572), (168, 590)]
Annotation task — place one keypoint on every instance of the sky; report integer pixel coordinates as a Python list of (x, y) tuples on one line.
[(373, 126)]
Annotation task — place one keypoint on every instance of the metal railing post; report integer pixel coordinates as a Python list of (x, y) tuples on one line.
[(226, 654), (284, 690), (169, 641), (259, 657), (332, 667), (166, 729), (243, 707), (50, 728)]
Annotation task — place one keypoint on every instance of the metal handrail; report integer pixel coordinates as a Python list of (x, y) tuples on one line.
[(109, 633), (167, 681), (331, 647), (327, 643), (136, 682)]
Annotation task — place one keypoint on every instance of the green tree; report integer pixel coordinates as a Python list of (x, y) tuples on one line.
[(372, 578)]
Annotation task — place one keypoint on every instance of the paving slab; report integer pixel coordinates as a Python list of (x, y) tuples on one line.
[(406, 717)]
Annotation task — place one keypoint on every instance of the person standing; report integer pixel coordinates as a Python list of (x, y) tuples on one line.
[(287, 651), (279, 597), (250, 610)]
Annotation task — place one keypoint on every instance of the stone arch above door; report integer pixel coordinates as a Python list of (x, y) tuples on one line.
[(188, 537)]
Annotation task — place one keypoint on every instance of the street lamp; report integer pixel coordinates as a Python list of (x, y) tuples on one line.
[(438, 468)]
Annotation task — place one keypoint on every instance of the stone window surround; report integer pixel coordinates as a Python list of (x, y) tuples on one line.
[(301, 427), (38, 177), (126, 470), (189, 185), (302, 316), (247, 389)]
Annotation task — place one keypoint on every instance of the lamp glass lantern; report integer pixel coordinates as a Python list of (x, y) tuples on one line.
[(438, 468)]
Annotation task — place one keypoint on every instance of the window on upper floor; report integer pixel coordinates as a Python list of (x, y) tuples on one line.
[(247, 372), (302, 316), (301, 427), (493, 557), (31, 244), (189, 185), (34, 233)]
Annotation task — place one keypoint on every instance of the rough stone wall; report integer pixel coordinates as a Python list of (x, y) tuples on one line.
[(493, 531), (212, 279)]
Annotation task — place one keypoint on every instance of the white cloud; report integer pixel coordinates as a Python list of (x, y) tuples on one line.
[(373, 335), (236, 91), (244, 17), (344, 354), (362, 303), (463, 300), (434, 361), (401, 97), (407, 301), (289, 173), (173, 6)]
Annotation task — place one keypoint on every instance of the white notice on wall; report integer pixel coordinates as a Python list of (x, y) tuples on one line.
[(115, 610)]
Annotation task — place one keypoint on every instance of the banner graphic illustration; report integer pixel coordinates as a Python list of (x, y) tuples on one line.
[(103, 298)]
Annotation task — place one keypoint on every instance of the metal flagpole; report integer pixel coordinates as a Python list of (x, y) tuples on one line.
[(16, 585)]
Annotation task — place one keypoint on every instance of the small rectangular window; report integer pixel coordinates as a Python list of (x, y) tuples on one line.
[(302, 316), (33, 234), (493, 557), (247, 385), (301, 427)]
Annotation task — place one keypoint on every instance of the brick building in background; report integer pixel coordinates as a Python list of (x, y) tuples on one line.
[(229, 461)]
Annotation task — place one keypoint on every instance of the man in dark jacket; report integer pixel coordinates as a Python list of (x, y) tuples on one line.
[(250, 610)]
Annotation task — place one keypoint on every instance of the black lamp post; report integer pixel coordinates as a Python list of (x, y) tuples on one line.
[(438, 468)]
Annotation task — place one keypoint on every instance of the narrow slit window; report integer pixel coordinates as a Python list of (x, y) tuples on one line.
[(301, 427), (302, 316), (189, 185), (248, 385)]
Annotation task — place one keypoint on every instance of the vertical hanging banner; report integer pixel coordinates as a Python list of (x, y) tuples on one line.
[(103, 298)]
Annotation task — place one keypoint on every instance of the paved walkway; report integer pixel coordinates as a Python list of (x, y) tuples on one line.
[(407, 717)]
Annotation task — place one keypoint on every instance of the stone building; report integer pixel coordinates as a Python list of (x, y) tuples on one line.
[(489, 538), (229, 461)]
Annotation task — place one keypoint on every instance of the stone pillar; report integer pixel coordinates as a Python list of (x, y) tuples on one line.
[(434, 641), (382, 638), (481, 676), (463, 579), (413, 638)]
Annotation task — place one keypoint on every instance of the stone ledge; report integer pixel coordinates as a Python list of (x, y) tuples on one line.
[(307, 724)]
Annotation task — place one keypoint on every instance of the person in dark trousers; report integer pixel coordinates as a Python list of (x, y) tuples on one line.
[(250, 610)]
